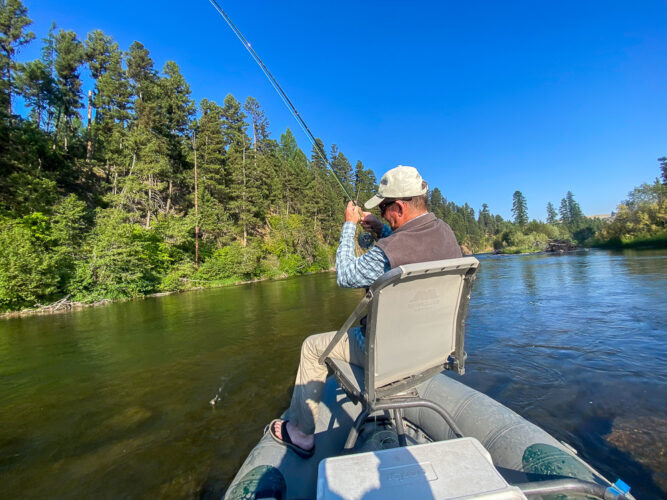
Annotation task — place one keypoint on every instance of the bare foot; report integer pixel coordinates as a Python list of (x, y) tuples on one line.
[(304, 441)]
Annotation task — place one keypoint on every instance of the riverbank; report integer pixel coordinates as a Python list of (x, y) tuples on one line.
[(645, 242), (653, 242), (556, 246), (65, 305)]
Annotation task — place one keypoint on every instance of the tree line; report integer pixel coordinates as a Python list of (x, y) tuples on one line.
[(129, 187), (568, 225), (116, 184), (639, 221)]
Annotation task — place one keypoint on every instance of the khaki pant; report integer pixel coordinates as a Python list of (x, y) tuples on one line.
[(311, 375)]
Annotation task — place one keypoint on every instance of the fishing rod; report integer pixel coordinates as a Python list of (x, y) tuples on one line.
[(283, 95)]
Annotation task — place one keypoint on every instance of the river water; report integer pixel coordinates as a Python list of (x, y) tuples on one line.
[(115, 401)]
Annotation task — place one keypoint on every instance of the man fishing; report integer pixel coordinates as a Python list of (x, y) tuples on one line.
[(413, 235)]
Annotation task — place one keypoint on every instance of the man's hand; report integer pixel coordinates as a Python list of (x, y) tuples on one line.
[(371, 223), (352, 213)]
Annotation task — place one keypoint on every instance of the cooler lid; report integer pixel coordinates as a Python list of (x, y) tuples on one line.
[(454, 469)]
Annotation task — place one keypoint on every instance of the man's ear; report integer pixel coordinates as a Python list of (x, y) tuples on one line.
[(401, 207)]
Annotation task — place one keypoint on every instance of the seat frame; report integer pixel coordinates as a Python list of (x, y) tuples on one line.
[(400, 394)]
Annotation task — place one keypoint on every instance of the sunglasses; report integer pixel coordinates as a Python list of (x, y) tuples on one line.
[(384, 205), (387, 203)]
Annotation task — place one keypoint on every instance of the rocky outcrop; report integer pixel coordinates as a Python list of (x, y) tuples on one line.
[(560, 246)]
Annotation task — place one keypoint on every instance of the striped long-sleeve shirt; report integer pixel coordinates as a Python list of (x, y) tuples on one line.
[(359, 272)]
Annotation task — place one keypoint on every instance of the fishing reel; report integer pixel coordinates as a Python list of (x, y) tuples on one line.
[(365, 240)]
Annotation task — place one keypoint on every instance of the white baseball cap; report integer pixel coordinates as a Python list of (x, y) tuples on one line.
[(399, 182)]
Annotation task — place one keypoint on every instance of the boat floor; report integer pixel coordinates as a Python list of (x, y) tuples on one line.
[(335, 418)]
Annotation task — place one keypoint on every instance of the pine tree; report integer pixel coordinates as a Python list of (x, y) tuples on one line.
[(570, 211), (176, 111), (485, 220), (147, 145), (258, 123), (574, 210), (111, 100), (178, 108), (213, 193), (211, 148), (663, 170), (244, 198), (140, 71), (365, 182), (296, 178), (318, 156), (342, 168), (324, 206), (552, 216), (564, 212), (48, 58), (234, 124), (98, 49), (519, 208), (264, 155), (35, 85), (437, 203), (474, 233), (13, 35), (69, 57)]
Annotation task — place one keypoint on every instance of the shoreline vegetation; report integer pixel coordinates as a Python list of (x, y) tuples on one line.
[(116, 185), (65, 305)]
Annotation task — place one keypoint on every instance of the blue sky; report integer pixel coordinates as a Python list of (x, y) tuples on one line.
[(484, 98)]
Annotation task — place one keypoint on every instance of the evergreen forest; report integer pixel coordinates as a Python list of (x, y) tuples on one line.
[(116, 184)]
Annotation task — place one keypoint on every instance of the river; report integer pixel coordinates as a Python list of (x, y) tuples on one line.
[(115, 401)]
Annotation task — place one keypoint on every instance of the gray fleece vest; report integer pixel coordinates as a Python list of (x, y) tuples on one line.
[(423, 239)]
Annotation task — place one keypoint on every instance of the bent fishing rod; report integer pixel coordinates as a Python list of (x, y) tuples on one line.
[(283, 95)]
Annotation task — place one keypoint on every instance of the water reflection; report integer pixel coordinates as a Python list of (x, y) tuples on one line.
[(528, 275)]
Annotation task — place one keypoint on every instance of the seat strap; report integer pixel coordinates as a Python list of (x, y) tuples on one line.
[(352, 318)]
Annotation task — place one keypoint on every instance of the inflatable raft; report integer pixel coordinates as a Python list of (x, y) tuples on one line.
[(400, 428), (521, 453)]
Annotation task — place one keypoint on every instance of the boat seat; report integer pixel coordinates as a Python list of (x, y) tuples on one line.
[(351, 376), (415, 328)]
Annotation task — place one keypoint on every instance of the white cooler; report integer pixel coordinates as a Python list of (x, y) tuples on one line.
[(459, 468)]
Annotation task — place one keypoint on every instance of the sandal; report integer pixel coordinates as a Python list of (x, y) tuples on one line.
[(287, 441)]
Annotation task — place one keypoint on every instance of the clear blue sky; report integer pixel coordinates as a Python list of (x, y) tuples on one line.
[(484, 98)]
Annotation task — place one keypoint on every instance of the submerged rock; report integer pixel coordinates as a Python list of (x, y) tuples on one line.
[(96, 463), (126, 420), (645, 439)]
